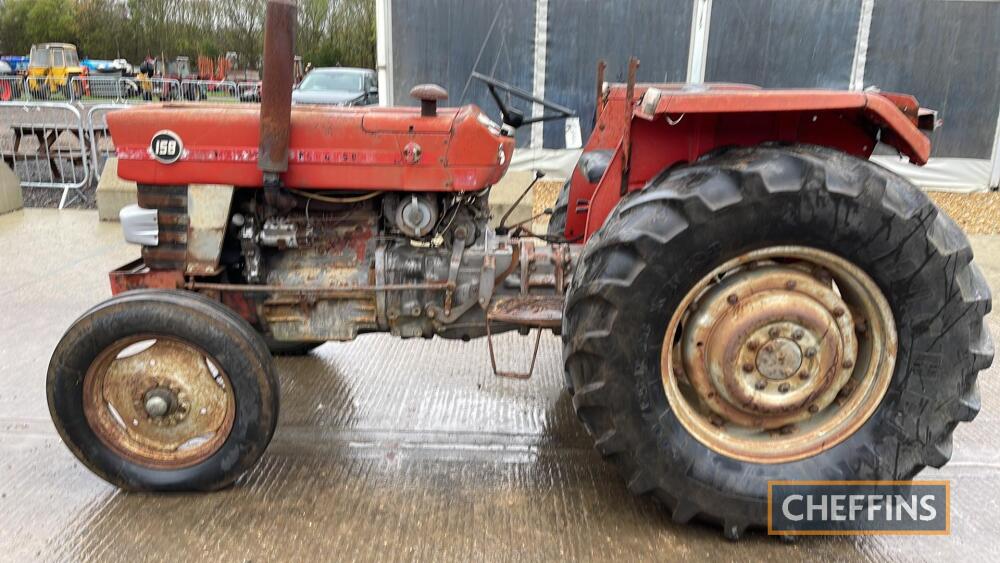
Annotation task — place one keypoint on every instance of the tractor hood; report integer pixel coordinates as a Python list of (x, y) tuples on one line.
[(386, 149)]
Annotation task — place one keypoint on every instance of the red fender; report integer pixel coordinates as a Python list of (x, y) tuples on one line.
[(670, 126)]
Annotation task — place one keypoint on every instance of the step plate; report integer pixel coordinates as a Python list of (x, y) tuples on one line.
[(529, 310)]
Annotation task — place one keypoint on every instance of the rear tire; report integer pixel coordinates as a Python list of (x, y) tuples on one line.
[(660, 242), (90, 394)]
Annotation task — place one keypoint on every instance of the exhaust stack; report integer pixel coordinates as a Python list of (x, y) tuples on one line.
[(276, 89)]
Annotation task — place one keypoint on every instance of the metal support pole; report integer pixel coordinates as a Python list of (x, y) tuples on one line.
[(538, 79), (995, 166), (383, 50), (701, 18), (861, 45)]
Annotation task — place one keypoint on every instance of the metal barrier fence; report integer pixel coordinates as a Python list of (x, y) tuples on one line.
[(125, 89), (211, 90), (96, 88), (11, 88), (51, 88), (101, 145), (47, 145), (248, 92)]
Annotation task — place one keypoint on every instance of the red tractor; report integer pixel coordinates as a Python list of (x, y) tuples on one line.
[(742, 295)]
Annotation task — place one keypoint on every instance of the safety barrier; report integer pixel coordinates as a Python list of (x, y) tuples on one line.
[(95, 88), (248, 91), (11, 88), (49, 88), (102, 147), (219, 91), (47, 145), (141, 89)]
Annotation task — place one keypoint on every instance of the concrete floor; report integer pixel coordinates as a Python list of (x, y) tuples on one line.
[(386, 450)]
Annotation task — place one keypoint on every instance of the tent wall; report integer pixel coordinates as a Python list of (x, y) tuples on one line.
[(783, 43), (946, 52), (581, 32), (443, 41)]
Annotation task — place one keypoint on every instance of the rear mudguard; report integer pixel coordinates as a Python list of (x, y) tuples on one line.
[(668, 126)]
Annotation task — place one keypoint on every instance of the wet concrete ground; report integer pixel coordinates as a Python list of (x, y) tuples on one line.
[(386, 450)]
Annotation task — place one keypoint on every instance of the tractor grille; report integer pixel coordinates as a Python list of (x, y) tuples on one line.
[(170, 202)]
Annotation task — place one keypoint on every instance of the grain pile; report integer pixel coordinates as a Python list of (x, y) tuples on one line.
[(977, 214), (546, 192)]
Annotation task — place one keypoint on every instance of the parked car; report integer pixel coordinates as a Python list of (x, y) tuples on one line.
[(337, 87)]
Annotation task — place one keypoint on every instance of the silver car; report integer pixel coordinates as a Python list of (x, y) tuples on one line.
[(337, 86)]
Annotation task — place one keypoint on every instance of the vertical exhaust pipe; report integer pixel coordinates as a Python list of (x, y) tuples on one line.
[(276, 89)]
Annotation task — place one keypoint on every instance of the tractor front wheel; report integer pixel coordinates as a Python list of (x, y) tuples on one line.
[(774, 313), (163, 391)]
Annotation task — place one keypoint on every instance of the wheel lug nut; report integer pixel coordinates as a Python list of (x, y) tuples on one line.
[(752, 345), (774, 332), (839, 311), (810, 352), (804, 375), (790, 284), (761, 385), (848, 364), (784, 387), (732, 299), (813, 409), (748, 367), (797, 334)]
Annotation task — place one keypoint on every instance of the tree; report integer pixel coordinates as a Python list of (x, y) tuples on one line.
[(52, 21), (329, 31)]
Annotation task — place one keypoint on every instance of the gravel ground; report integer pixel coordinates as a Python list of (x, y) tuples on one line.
[(977, 214)]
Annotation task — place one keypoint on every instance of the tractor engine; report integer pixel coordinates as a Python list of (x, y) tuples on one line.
[(310, 267)]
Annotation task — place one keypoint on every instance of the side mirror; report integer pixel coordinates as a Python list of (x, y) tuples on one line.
[(373, 90)]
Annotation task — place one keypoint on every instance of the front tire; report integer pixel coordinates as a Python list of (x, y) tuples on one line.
[(663, 241), (163, 391)]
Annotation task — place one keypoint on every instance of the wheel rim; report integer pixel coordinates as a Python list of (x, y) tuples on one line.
[(159, 401), (779, 354)]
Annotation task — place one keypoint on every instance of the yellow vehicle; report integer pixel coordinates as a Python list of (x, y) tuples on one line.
[(51, 69)]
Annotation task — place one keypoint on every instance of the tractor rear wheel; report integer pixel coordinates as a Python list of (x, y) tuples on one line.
[(163, 391), (774, 313)]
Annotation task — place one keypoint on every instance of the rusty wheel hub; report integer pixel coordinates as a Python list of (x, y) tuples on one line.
[(779, 354), (159, 402)]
